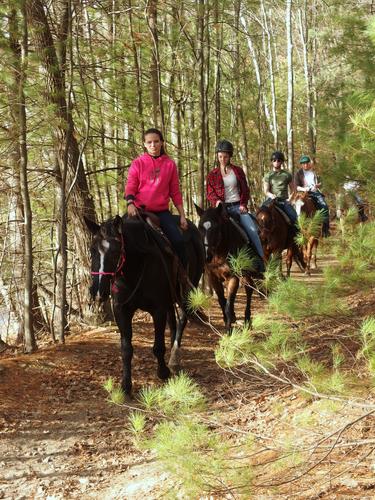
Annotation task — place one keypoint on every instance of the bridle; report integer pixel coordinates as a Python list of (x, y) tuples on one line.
[(120, 263), (119, 271)]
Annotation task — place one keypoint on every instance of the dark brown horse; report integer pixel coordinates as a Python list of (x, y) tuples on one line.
[(222, 238), (305, 205), (276, 235), (129, 263)]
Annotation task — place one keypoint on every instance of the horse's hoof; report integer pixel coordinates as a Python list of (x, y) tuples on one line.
[(174, 363), (127, 390), (164, 372), (174, 368)]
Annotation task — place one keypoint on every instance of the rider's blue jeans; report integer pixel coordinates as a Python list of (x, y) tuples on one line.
[(248, 225), (320, 203), (173, 233), (286, 207)]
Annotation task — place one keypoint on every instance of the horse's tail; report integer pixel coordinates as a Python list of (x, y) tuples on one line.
[(298, 256)]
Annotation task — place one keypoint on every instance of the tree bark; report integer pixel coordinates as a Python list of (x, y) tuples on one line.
[(289, 109), (65, 143)]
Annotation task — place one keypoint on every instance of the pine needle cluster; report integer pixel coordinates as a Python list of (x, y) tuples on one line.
[(115, 393), (299, 300), (269, 341), (367, 336), (198, 300), (272, 276), (356, 261), (244, 260), (309, 227), (198, 459)]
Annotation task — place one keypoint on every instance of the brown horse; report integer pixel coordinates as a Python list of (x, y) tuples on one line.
[(221, 238), (276, 235), (304, 204)]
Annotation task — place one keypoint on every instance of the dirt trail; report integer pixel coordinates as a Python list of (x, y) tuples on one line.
[(59, 437)]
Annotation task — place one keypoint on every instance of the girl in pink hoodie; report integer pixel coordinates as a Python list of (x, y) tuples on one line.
[(152, 182)]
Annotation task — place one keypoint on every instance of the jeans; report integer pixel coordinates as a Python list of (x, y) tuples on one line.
[(174, 235), (320, 203), (249, 226), (285, 207)]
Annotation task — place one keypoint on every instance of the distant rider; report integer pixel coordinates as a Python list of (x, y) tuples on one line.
[(306, 180), (278, 185)]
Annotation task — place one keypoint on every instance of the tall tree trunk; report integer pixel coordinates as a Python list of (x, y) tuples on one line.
[(289, 109), (258, 76), (138, 72), (155, 71), (30, 343), (80, 201), (306, 45), (272, 76), (18, 40), (202, 102)]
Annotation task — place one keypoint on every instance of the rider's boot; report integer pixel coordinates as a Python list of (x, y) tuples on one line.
[(361, 213), (325, 229)]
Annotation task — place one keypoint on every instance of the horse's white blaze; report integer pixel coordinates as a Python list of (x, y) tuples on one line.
[(102, 251), (299, 204), (206, 226)]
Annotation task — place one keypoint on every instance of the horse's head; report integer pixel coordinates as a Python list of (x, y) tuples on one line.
[(265, 221), (107, 253), (211, 228), (298, 200)]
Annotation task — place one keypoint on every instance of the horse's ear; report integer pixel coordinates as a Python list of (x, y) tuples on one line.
[(221, 210), (117, 222), (92, 226), (199, 210)]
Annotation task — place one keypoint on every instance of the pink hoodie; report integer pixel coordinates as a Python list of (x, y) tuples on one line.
[(152, 182)]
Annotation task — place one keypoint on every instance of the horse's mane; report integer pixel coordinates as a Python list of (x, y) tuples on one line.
[(232, 235), (136, 234)]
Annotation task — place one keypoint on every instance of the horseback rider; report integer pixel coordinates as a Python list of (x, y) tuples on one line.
[(306, 180), (152, 181), (278, 185), (227, 184), (351, 188)]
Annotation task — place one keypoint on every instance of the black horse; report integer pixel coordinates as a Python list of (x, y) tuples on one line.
[(133, 262), (222, 238)]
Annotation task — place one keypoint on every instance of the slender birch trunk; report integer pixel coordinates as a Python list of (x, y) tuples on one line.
[(289, 108)]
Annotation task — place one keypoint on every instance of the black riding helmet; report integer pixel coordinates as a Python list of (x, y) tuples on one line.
[(277, 155), (224, 146)]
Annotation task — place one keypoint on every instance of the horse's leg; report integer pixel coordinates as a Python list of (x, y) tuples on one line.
[(219, 290), (175, 357), (124, 318), (230, 316), (315, 245), (308, 254), (249, 294), (160, 320), (289, 260)]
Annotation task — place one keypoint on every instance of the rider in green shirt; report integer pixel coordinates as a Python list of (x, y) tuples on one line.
[(277, 184)]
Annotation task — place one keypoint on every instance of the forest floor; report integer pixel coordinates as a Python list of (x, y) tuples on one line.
[(61, 438)]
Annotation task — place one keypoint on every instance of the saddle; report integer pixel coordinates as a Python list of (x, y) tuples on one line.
[(179, 277), (281, 211)]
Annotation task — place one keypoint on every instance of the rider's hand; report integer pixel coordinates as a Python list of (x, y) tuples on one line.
[(132, 210), (243, 209), (272, 196), (183, 223), (218, 203)]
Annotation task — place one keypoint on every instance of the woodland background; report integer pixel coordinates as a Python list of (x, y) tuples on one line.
[(81, 80)]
